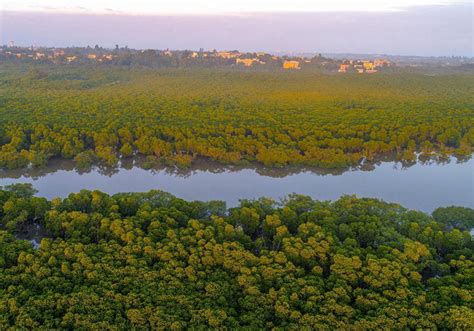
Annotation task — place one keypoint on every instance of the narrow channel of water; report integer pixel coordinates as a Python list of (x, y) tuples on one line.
[(421, 186)]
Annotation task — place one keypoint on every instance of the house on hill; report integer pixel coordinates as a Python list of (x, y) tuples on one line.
[(368, 65), (71, 58), (228, 55), (291, 65), (246, 62), (344, 67)]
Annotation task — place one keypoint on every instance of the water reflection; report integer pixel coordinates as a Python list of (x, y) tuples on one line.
[(425, 185), (32, 232), (204, 165)]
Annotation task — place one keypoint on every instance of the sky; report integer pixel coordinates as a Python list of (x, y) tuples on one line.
[(213, 6), (399, 27)]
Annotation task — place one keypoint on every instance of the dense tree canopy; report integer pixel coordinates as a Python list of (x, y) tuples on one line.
[(150, 260), (96, 115)]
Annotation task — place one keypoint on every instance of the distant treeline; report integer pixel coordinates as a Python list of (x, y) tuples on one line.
[(173, 116), (151, 58)]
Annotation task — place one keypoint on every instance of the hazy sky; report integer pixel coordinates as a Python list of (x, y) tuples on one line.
[(214, 6), (406, 27)]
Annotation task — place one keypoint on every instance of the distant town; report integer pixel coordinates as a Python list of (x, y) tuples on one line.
[(206, 58)]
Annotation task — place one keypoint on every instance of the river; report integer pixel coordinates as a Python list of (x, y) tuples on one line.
[(422, 186)]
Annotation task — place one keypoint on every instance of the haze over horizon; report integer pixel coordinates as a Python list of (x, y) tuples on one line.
[(420, 27)]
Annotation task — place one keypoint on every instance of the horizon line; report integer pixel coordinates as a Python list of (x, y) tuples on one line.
[(272, 52)]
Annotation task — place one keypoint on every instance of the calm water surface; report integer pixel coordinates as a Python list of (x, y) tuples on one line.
[(421, 186)]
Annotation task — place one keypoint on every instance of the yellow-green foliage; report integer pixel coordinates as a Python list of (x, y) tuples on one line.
[(152, 261), (275, 118)]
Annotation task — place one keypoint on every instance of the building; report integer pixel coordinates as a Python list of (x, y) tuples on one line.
[(382, 63), (228, 55), (344, 67), (39, 56), (368, 65), (58, 53), (71, 58), (92, 56), (247, 62), (291, 65), (364, 66)]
